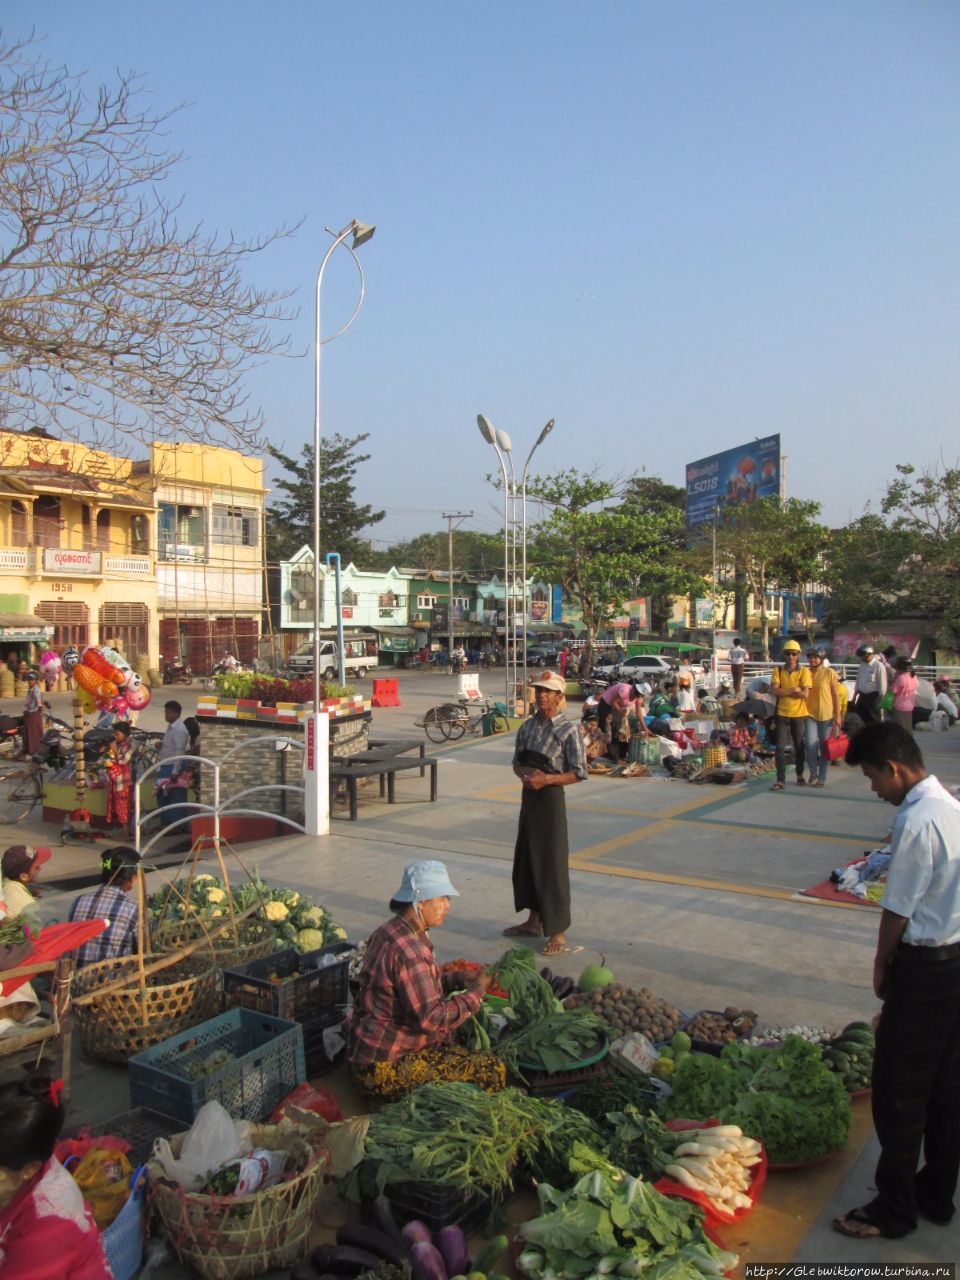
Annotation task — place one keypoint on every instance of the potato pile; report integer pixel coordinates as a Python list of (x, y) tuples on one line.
[(721, 1028), (628, 1010)]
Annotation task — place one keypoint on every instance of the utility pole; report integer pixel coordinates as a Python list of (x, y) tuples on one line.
[(450, 516)]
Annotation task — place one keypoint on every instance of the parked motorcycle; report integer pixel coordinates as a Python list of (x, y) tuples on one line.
[(176, 672), (11, 736)]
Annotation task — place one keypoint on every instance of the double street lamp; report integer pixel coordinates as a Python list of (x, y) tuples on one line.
[(358, 233), (504, 450)]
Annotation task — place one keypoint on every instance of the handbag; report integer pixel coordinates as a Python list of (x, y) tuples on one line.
[(835, 746)]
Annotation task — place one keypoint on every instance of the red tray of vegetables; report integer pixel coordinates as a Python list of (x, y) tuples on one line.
[(714, 1214), (469, 969)]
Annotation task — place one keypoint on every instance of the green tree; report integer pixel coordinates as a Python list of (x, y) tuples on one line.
[(472, 551), (602, 550), (290, 519), (863, 571), (651, 496), (924, 509), (774, 545)]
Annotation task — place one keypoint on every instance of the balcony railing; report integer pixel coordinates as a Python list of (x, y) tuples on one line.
[(136, 566)]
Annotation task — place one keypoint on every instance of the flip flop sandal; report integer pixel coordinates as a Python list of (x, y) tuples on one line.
[(549, 950), (864, 1218), (777, 786)]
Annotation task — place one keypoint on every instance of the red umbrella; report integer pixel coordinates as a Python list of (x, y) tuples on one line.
[(53, 942)]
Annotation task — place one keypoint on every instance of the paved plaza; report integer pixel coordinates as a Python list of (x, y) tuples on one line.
[(691, 890)]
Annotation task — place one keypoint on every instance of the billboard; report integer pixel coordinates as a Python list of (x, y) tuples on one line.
[(730, 478)]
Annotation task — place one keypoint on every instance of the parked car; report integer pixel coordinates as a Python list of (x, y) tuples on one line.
[(543, 655), (645, 666)]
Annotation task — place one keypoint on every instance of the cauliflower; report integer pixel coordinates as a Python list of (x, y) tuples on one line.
[(311, 918), (216, 913), (215, 895), (336, 933), (292, 898), (199, 879), (310, 939), (276, 911)]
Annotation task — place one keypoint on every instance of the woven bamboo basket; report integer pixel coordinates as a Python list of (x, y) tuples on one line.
[(140, 1013), (249, 940), (240, 1238)]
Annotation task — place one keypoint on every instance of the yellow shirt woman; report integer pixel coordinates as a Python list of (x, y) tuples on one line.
[(820, 698)]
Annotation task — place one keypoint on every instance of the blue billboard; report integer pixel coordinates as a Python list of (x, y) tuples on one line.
[(733, 477)]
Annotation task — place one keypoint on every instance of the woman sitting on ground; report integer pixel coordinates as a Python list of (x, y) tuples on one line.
[(399, 1031), (47, 1232)]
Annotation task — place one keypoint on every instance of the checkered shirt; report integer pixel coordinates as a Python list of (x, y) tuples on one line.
[(120, 938)]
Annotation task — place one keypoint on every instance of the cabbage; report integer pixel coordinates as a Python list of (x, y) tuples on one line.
[(310, 939)]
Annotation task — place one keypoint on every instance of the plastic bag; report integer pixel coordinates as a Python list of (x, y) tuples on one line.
[(310, 1097), (104, 1178), (668, 749), (214, 1139)]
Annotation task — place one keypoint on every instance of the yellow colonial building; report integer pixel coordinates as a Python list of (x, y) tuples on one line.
[(160, 556)]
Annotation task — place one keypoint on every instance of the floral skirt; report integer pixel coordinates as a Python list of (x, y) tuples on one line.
[(391, 1080)]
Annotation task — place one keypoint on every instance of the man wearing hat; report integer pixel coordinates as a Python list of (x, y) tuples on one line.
[(400, 1027), (870, 686), (32, 714), (548, 755), (21, 866)]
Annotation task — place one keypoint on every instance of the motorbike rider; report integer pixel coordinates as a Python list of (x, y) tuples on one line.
[(228, 662), (458, 658)]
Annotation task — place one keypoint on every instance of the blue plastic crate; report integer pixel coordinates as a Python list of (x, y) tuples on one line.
[(266, 1061)]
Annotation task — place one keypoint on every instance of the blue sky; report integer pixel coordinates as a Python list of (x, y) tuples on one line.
[(672, 227)]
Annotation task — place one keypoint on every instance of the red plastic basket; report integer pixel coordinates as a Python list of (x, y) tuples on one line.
[(712, 1215)]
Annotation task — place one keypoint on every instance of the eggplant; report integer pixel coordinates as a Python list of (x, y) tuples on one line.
[(546, 974), (415, 1232), (374, 1241), (452, 1244), (427, 1262), (304, 1271), (384, 1220), (344, 1259)]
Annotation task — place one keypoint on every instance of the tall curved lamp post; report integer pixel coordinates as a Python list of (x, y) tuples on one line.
[(501, 442), (359, 233), (490, 435)]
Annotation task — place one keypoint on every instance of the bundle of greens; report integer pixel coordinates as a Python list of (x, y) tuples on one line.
[(610, 1223), (13, 932), (531, 996), (614, 1092), (450, 1133), (785, 1097), (553, 1042)]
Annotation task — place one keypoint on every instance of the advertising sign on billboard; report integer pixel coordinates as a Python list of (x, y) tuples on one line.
[(731, 478)]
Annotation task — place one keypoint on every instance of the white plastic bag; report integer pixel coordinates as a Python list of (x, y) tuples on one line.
[(939, 721), (668, 748), (214, 1139)]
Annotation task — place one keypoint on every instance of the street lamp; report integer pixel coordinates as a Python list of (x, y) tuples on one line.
[(501, 442), (488, 433), (360, 232)]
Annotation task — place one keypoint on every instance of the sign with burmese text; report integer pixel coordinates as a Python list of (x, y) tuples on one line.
[(731, 478)]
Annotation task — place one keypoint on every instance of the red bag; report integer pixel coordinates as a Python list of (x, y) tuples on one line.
[(310, 1097), (835, 747)]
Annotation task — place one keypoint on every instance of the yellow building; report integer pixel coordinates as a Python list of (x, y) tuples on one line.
[(209, 552), (75, 546), (159, 557)]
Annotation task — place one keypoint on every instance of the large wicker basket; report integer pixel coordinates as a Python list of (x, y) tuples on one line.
[(125, 1021), (240, 1238), (249, 940)]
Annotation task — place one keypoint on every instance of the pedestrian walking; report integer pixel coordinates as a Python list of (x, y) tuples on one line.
[(790, 684), (738, 658), (904, 693), (548, 756), (870, 685), (916, 973), (823, 716), (32, 714)]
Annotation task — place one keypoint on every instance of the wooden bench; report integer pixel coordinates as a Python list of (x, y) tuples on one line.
[(385, 767)]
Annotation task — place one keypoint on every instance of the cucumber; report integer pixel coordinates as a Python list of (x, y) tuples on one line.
[(857, 1026), (489, 1254), (860, 1037), (836, 1060)]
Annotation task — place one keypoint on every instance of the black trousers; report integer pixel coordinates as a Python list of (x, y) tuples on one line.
[(867, 707), (916, 1092), (609, 721), (789, 730)]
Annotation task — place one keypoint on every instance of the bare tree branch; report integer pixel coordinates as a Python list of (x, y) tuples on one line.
[(113, 316)]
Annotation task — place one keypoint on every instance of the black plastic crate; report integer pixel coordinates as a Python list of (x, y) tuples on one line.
[(439, 1205), (318, 1060), (288, 984), (140, 1126)]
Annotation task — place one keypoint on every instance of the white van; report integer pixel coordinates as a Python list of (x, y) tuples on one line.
[(357, 658)]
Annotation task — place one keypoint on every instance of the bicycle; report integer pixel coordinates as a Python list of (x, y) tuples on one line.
[(451, 720), (21, 784)]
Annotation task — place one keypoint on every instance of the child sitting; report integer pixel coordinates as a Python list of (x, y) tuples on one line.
[(46, 1229), (743, 739)]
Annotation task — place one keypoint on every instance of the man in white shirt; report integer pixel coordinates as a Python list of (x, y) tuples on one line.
[(870, 686), (176, 742), (945, 702), (738, 656), (916, 973)]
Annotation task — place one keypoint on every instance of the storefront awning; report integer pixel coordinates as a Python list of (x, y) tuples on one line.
[(398, 639), (25, 626)]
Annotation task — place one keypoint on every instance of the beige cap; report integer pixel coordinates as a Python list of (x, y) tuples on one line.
[(550, 680)]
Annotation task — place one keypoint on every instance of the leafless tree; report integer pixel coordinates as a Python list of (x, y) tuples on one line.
[(114, 318)]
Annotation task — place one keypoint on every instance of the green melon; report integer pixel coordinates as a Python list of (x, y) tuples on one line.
[(595, 976)]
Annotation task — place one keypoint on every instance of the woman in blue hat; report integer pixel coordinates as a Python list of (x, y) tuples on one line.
[(400, 1029)]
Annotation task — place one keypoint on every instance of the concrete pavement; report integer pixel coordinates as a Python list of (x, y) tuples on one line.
[(689, 890)]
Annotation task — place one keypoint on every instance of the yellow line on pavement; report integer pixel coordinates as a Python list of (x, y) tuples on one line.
[(618, 842), (764, 832), (692, 882)]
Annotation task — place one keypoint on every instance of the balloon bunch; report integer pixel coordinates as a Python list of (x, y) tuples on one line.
[(106, 680)]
